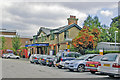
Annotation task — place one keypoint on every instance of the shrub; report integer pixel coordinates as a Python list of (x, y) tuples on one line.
[(92, 52)]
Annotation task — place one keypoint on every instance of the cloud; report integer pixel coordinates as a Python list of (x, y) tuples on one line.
[(28, 17), (106, 13)]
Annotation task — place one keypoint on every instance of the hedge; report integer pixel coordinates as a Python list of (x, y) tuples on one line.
[(97, 52), (105, 52)]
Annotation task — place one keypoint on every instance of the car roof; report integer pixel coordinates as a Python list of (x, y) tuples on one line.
[(113, 54)]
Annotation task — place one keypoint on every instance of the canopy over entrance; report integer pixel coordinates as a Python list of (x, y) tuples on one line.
[(37, 44)]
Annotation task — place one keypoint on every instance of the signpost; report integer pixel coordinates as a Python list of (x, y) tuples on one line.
[(101, 51)]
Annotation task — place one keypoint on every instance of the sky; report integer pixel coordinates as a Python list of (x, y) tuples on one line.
[(26, 17)]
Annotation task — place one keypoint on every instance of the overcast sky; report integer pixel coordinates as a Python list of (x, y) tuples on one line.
[(28, 17)]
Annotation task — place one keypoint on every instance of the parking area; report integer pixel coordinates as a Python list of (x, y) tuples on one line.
[(22, 68)]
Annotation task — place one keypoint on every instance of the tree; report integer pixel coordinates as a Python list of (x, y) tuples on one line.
[(115, 22), (92, 22), (104, 36), (2, 41), (16, 44), (112, 34), (86, 39), (115, 26)]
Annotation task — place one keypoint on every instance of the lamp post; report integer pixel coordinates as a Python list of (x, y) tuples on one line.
[(115, 39)]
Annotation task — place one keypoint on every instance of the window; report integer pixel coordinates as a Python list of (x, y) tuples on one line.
[(52, 35), (66, 34), (42, 38), (39, 39), (33, 40)]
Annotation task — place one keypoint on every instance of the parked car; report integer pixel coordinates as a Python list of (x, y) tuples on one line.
[(50, 61), (12, 56), (42, 59), (93, 64), (110, 64), (4, 55), (79, 63), (34, 58), (66, 56)]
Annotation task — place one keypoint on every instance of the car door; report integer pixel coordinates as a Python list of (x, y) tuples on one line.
[(11, 56), (107, 63)]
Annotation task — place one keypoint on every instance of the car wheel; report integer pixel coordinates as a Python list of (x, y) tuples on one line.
[(81, 68), (92, 72), (112, 76), (50, 65), (31, 62), (17, 58), (71, 70), (60, 67)]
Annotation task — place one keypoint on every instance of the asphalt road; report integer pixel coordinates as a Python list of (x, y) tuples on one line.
[(12, 68)]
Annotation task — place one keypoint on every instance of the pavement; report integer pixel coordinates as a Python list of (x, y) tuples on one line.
[(22, 68)]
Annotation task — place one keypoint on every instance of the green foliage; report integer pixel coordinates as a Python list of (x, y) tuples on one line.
[(115, 22), (112, 34), (2, 41), (92, 52), (73, 49), (104, 36), (16, 43), (105, 52), (92, 22)]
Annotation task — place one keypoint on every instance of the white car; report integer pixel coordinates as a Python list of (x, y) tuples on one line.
[(12, 56), (110, 64), (79, 63), (4, 55)]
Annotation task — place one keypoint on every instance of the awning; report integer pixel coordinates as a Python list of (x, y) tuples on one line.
[(40, 44)]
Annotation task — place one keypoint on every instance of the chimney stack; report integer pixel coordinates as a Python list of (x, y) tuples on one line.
[(72, 20)]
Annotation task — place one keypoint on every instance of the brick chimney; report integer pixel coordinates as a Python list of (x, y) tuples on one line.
[(72, 20)]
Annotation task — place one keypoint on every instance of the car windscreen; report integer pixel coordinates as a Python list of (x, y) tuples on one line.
[(96, 58), (70, 55), (83, 57), (44, 56), (109, 58), (38, 55)]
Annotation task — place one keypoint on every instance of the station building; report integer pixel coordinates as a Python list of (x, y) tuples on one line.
[(52, 40)]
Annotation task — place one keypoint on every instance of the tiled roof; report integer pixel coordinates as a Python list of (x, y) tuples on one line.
[(45, 30), (58, 30)]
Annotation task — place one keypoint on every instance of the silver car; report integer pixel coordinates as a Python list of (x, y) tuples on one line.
[(34, 58), (79, 63), (110, 64)]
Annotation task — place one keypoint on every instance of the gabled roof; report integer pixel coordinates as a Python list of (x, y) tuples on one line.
[(58, 30), (64, 28), (45, 30)]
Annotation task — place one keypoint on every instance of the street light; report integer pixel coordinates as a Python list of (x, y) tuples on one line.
[(115, 38)]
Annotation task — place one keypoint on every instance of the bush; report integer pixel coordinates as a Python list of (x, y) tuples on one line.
[(105, 52)]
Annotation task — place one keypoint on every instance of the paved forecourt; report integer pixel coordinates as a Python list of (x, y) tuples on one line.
[(22, 68)]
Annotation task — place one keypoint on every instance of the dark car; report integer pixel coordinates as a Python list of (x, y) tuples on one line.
[(50, 61), (42, 59)]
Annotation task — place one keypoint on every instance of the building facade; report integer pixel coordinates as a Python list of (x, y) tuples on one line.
[(52, 40), (9, 34)]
